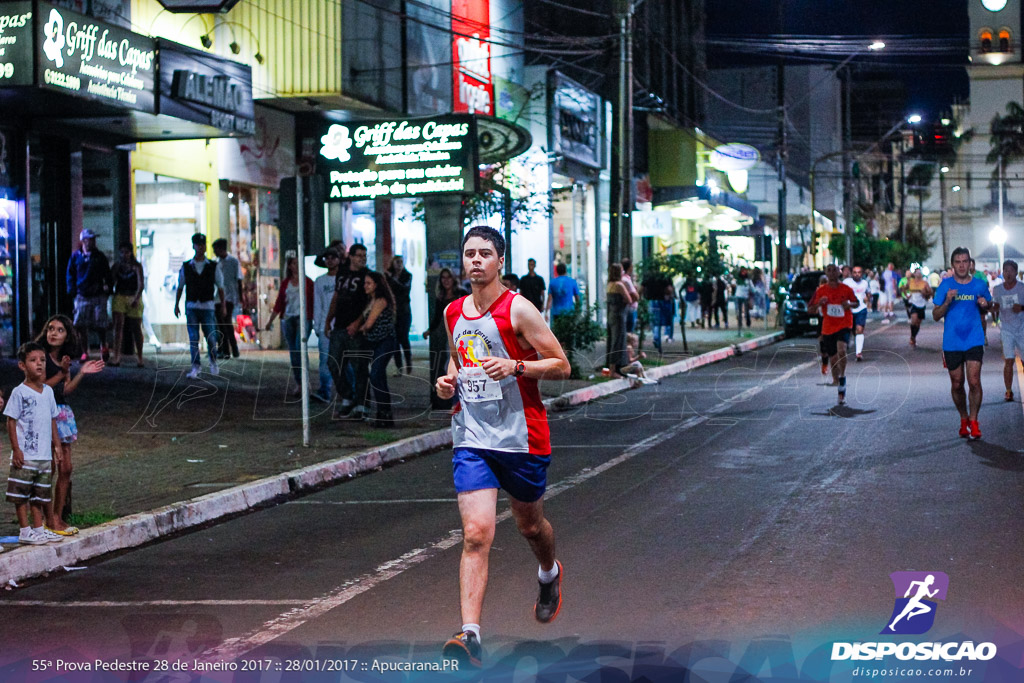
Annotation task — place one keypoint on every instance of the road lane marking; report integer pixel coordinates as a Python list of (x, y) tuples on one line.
[(401, 501), (146, 603), (233, 648)]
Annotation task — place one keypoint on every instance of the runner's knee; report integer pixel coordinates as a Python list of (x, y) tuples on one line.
[(530, 528), (477, 536)]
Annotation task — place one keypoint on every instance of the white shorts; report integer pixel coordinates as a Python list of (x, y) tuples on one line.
[(1012, 342)]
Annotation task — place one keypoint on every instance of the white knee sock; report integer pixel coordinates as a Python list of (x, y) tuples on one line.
[(859, 339)]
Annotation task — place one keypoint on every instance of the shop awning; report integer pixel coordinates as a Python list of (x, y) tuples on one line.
[(668, 196)]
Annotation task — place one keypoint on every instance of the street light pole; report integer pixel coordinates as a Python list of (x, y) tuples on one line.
[(847, 175), (621, 240)]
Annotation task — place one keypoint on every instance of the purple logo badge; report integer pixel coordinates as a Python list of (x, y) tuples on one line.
[(916, 592)]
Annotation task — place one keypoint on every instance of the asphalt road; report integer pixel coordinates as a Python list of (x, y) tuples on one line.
[(732, 521)]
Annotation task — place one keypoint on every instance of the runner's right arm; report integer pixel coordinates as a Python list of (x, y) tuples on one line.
[(445, 385), (939, 311)]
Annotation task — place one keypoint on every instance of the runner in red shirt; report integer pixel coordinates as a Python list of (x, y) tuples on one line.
[(835, 301)]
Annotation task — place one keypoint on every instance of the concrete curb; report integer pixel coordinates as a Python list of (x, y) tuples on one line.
[(143, 527)]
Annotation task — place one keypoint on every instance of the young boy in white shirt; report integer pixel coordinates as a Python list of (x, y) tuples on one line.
[(32, 428)]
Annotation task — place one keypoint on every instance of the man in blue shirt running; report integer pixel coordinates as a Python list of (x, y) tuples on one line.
[(958, 299)]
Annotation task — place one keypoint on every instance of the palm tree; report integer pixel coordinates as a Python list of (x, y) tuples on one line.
[(1007, 141), (919, 182)]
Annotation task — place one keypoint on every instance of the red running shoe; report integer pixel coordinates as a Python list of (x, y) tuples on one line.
[(964, 430), (975, 430)]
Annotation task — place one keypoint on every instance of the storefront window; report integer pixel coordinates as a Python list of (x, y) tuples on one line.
[(411, 245), (168, 211), (573, 224), (364, 230), (253, 239), (9, 231)]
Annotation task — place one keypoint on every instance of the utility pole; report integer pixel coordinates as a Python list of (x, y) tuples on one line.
[(848, 229), (621, 239), (999, 171), (780, 96), (942, 211), (903, 190), (783, 231)]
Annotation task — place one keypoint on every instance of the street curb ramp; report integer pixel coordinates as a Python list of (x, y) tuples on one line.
[(143, 527)]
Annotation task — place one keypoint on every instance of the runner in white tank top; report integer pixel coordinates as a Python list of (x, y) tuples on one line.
[(500, 346)]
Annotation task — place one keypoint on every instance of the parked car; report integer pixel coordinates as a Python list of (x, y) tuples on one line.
[(796, 318)]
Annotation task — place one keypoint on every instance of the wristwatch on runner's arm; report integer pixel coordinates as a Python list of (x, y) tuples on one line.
[(520, 369)]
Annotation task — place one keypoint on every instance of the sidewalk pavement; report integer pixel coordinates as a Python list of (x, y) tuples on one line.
[(190, 451)]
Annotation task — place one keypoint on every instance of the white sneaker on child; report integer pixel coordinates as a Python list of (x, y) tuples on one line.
[(194, 372), (31, 537), (49, 535)]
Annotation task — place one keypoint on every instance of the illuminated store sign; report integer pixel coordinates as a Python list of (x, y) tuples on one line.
[(400, 158), (471, 56), (89, 58), (734, 156), (16, 44), (575, 117), (201, 87)]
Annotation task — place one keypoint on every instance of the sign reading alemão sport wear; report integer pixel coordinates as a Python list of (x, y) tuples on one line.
[(400, 157), (79, 55)]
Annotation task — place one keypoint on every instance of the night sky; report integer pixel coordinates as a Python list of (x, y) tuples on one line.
[(933, 83)]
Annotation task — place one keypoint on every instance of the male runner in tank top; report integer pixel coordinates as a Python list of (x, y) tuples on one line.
[(500, 346), (860, 312)]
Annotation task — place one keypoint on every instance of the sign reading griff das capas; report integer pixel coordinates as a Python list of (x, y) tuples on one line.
[(400, 157)]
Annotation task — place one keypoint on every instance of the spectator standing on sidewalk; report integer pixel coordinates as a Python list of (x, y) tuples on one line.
[(661, 296), (400, 281), (378, 328), (200, 281), (287, 307), (618, 299), (231, 275), (720, 301), (129, 283), (447, 292), (741, 295), (759, 289), (563, 293), (690, 302), (531, 285), (61, 345), (707, 299), (349, 355), (89, 283), (32, 428), (323, 292), (630, 285)]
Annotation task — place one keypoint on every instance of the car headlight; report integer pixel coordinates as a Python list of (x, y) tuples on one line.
[(797, 305)]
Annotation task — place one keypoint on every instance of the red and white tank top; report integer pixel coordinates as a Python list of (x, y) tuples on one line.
[(515, 422)]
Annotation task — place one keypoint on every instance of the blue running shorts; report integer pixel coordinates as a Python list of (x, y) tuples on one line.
[(860, 319), (523, 476)]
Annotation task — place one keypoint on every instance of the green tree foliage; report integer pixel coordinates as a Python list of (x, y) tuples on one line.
[(872, 252), (577, 332)]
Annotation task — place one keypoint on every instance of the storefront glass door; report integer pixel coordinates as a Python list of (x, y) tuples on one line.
[(168, 211)]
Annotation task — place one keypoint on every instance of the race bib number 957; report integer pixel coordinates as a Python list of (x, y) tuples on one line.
[(477, 386)]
